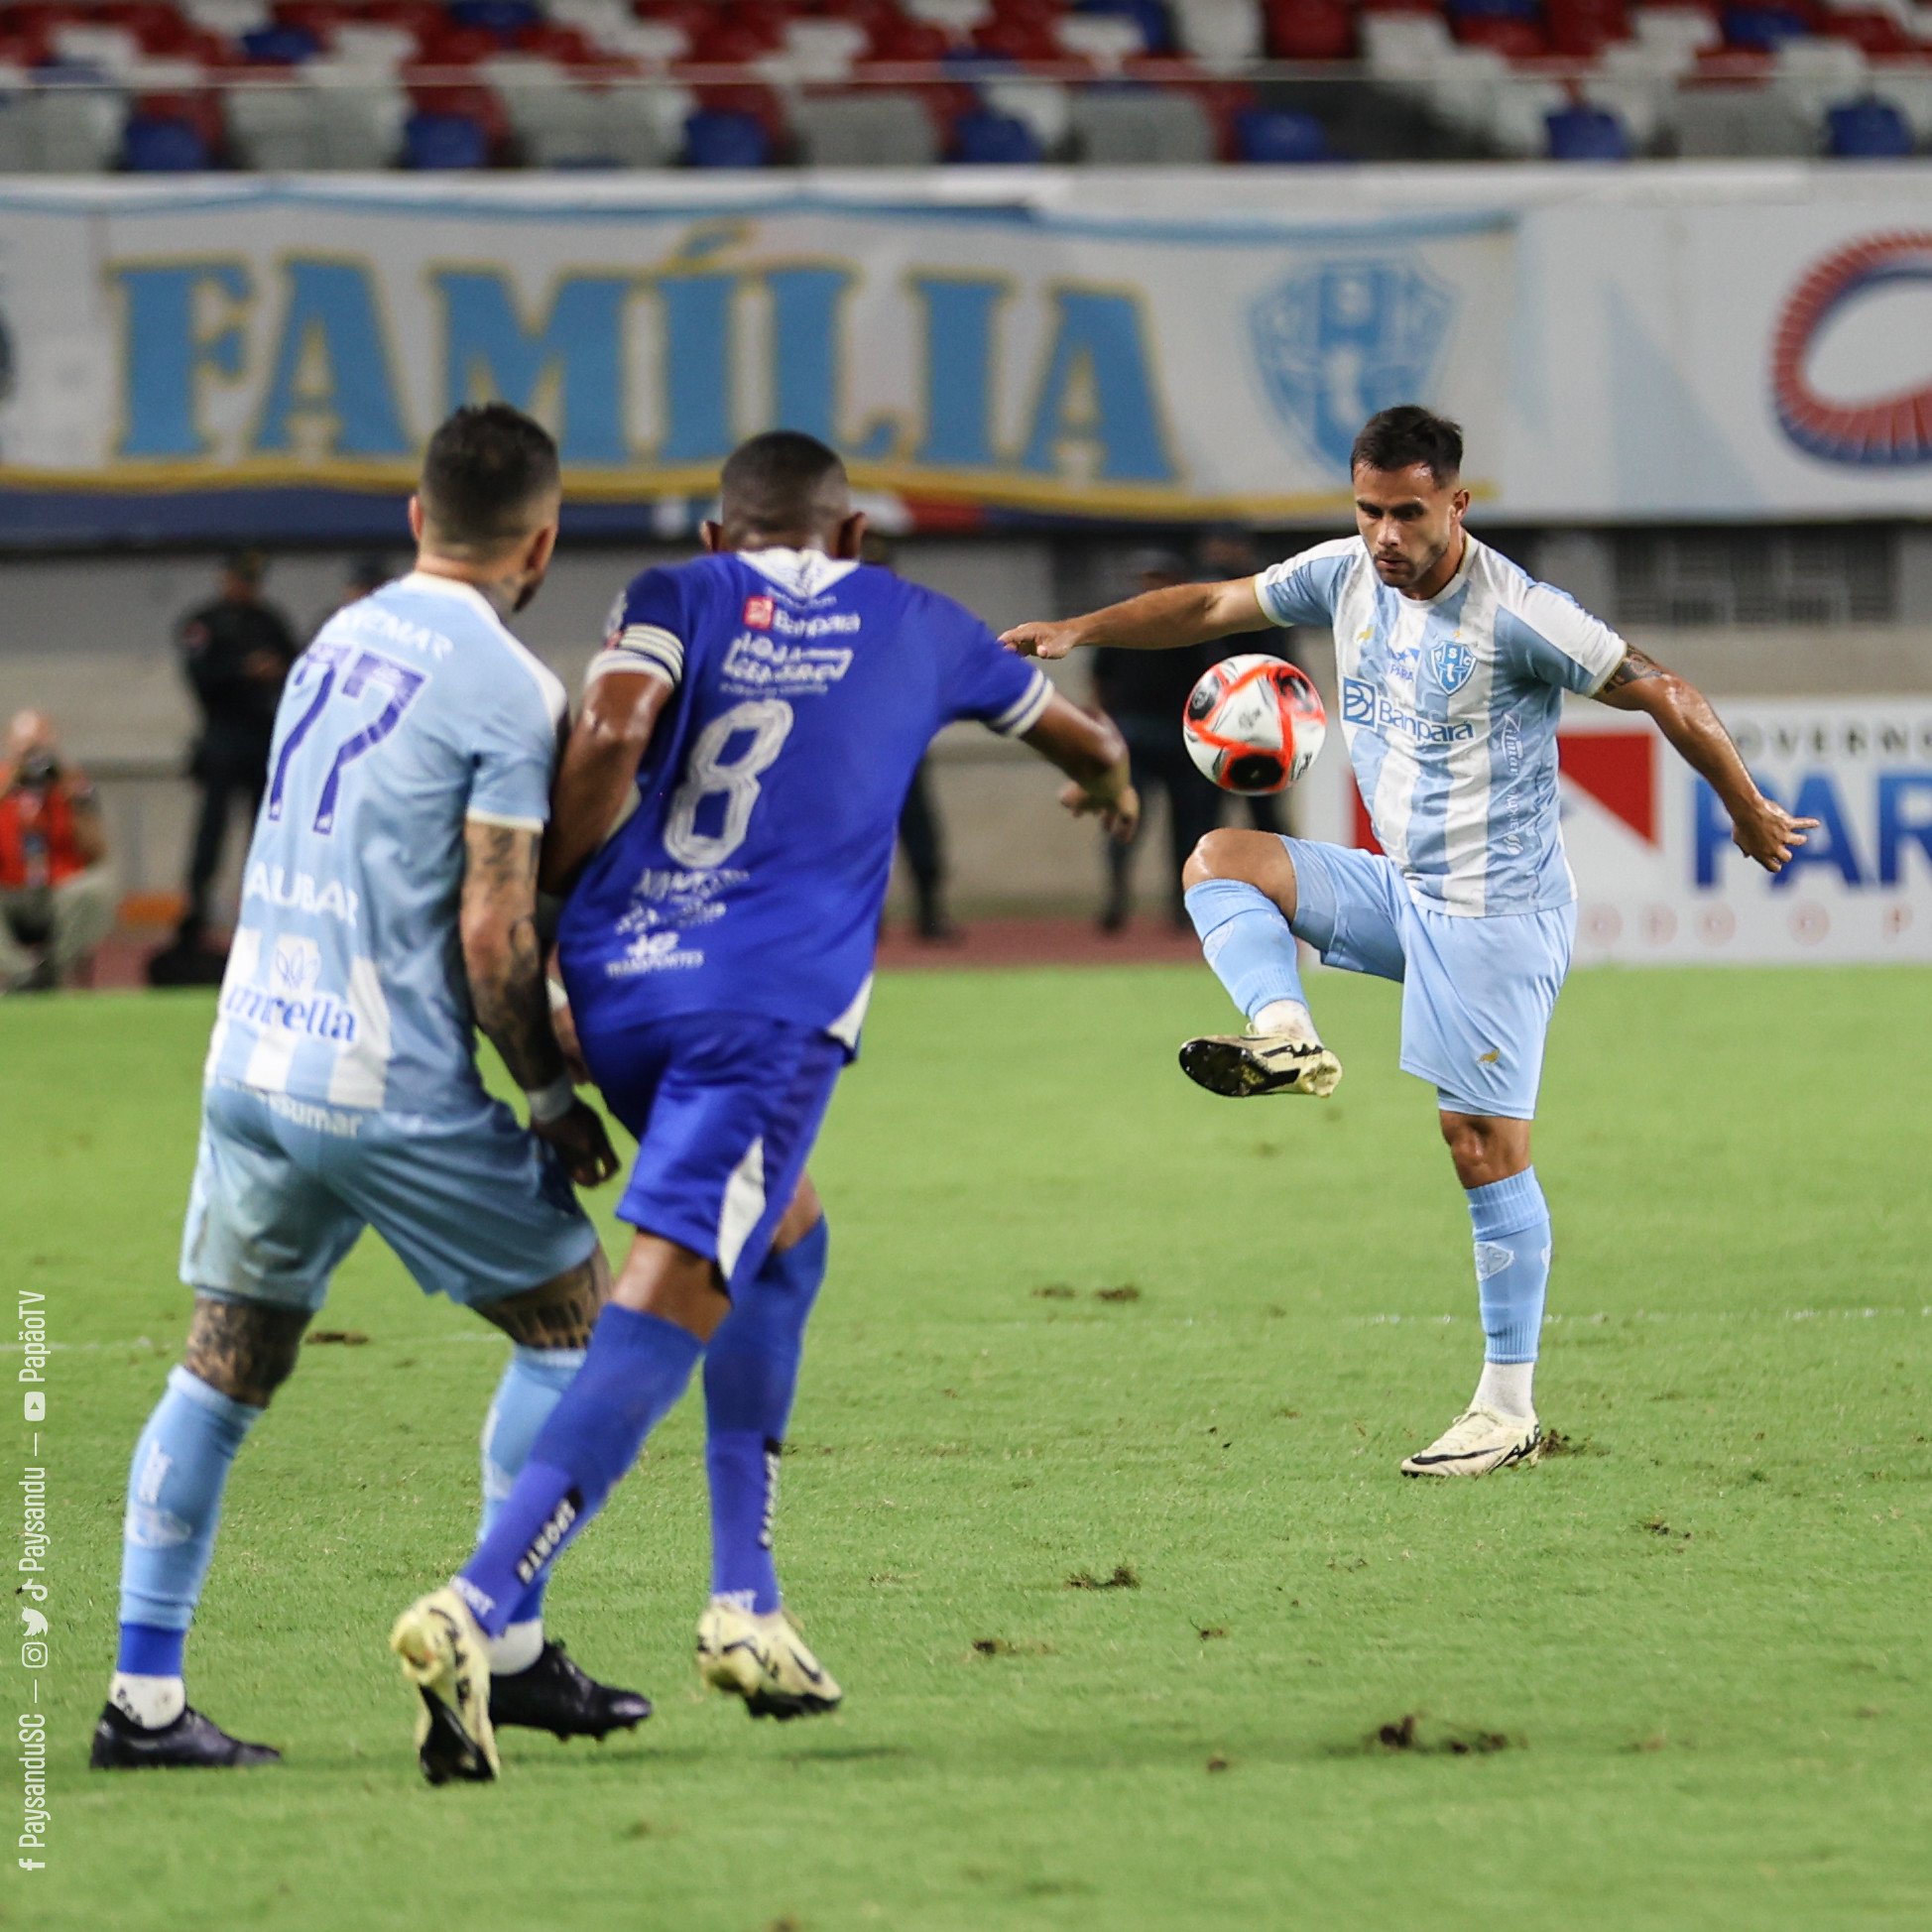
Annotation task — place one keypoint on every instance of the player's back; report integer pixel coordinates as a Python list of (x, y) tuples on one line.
[(753, 873), (413, 711)]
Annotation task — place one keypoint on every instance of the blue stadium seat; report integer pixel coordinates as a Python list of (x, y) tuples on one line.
[(1528, 10), (1156, 28), (714, 138), (984, 139), (502, 18), (285, 46), (1763, 30), (1867, 130), (444, 141), (1580, 133), (164, 147), (1276, 135)]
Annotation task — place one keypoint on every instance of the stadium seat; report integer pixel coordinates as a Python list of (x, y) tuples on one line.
[(1867, 130), (280, 47), (1763, 30), (1141, 127), (278, 126), (1044, 105), (1219, 30), (724, 138), (983, 139), (1276, 135), (437, 142), (164, 146), (1150, 18), (1741, 123), (867, 130), (1311, 30), (1587, 133)]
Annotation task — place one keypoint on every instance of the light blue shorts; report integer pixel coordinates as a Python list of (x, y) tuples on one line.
[(1477, 993), (475, 1206)]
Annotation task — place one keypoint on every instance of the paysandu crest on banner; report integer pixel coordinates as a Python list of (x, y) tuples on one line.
[(1339, 341)]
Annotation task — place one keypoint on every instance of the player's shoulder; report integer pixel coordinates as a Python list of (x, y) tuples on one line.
[(460, 630), (1545, 608), (1331, 559)]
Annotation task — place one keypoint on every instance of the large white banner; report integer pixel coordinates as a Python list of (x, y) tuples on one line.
[(1658, 880), (266, 356)]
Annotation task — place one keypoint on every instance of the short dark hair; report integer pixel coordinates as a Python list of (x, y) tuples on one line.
[(1408, 434), (486, 470), (781, 481)]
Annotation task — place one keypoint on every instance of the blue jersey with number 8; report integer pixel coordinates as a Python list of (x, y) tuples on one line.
[(414, 711), (751, 877)]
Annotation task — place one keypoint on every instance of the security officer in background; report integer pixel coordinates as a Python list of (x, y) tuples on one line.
[(236, 651)]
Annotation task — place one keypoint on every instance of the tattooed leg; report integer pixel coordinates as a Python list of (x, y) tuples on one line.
[(238, 1354)]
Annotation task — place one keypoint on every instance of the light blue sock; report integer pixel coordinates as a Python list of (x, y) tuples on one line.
[(751, 1375), (532, 1382), (1513, 1243), (1245, 939), (633, 1372), (175, 1485)]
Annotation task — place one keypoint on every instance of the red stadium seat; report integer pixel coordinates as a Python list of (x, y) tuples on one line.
[(1311, 30), (897, 41)]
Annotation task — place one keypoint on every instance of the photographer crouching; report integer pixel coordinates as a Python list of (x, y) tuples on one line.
[(58, 894)]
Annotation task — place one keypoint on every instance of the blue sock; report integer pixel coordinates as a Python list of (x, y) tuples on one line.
[(1245, 939), (1513, 1243), (532, 1383), (175, 1485), (750, 1374), (635, 1370)]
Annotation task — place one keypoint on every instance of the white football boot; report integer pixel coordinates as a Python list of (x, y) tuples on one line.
[(1244, 1066), (1477, 1442), (764, 1660), (447, 1657)]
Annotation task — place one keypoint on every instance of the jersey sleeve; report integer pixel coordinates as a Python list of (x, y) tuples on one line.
[(1548, 637), (1303, 588), (990, 683), (646, 629), (514, 753)]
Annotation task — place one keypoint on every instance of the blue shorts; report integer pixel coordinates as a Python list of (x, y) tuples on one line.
[(725, 1107), (475, 1206), (1477, 993)]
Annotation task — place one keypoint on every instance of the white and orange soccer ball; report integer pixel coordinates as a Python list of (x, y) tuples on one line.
[(1254, 724)]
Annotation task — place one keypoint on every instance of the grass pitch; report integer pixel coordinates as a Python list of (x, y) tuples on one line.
[(1093, 1503)]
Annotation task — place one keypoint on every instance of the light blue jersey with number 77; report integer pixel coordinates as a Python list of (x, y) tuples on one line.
[(414, 711)]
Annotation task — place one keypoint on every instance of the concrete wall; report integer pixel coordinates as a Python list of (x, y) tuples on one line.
[(89, 641)]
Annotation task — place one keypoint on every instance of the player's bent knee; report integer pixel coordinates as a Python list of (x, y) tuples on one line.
[(244, 1349), (1257, 859), (801, 1218), (1485, 1148)]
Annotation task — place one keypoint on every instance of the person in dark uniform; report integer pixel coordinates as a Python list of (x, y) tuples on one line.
[(1144, 692), (236, 651), (921, 836)]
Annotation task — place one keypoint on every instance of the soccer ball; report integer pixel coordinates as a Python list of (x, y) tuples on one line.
[(1254, 724)]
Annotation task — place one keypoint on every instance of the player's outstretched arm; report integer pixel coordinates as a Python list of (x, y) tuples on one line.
[(1093, 754), (1763, 829), (599, 768), (504, 960), (1157, 620)]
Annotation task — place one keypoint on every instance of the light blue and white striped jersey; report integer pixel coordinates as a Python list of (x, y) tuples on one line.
[(1450, 707), (413, 711)]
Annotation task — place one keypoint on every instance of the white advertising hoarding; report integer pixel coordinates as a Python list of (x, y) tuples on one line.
[(1634, 343)]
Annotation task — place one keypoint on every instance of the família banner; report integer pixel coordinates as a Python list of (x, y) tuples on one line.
[(266, 357)]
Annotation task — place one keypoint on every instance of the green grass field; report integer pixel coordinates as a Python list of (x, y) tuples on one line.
[(1689, 1653)]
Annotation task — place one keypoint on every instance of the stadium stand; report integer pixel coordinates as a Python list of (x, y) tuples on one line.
[(146, 85)]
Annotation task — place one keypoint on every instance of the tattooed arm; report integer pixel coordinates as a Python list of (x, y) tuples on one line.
[(1762, 830), (504, 960)]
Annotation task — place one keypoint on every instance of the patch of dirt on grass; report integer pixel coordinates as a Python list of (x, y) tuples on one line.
[(348, 1338), (1406, 1734), (1127, 1291), (1124, 1576), (1053, 1291), (1000, 1647)]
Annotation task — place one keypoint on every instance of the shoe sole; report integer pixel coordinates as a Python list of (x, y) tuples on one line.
[(1521, 1457), (1228, 1067), (736, 1671), (451, 1743)]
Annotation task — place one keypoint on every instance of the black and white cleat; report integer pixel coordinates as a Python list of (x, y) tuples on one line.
[(1244, 1066), (557, 1695), (193, 1743)]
